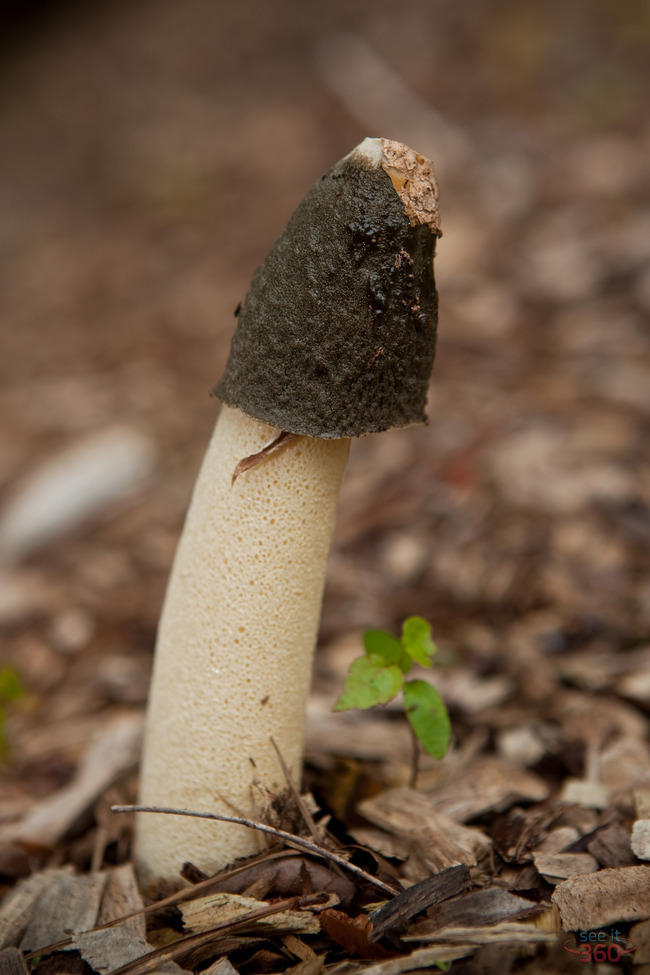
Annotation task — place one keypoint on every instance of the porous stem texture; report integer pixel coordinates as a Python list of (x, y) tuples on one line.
[(235, 643)]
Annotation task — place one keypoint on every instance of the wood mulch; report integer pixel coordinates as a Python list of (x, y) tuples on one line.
[(140, 202)]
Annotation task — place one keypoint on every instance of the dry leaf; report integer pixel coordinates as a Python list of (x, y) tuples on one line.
[(353, 934)]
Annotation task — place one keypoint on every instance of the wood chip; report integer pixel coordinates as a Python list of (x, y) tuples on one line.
[(437, 840), (311, 966), (636, 686), (18, 906), (486, 785), (596, 899), (558, 866), (611, 846), (380, 841), (68, 904), (642, 803), (521, 746), (626, 763), (640, 841), (221, 967), (516, 833), (558, 839), (122, 897), (414, 900), (221, 908), (640, 936), (505, 932), (75, 485), (478, 908), (112, 752), (107, 950), (12, 962), (583, 792), (287, 872), (298, 948)]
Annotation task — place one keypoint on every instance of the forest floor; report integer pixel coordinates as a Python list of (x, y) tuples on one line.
[(151, 154)]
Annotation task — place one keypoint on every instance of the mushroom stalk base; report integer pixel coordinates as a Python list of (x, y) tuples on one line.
[(235, 643)]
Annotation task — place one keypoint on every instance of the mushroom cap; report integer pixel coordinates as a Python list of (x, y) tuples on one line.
[(336, 336)]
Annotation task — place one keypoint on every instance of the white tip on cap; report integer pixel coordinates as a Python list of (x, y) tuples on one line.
[(371, 150)]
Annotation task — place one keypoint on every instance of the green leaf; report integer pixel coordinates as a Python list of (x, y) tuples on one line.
[(416, 640), (369, 682), (11, 688), (427, 713), (379, 643)]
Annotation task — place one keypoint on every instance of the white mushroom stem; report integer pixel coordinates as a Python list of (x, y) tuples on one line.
[(235, 643)]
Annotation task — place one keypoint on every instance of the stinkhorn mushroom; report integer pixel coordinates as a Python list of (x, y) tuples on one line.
[(335, 339)]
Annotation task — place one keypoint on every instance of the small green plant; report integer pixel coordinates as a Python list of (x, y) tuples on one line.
[(11, 690), (379, 675)]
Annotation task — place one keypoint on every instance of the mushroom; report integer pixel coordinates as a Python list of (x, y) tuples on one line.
[(335, 339)]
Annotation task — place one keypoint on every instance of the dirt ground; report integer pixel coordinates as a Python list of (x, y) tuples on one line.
[(151, 153)]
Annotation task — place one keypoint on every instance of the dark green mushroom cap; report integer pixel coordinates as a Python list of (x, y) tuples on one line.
[(336, 336)]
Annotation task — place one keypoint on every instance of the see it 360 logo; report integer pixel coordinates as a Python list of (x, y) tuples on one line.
[(600, 946)]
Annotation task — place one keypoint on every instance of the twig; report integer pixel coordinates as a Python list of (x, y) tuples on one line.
[(289, 838), (300, 802)]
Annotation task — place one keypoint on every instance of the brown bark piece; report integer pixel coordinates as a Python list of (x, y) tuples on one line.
[(222, 966), (18, 907), (310, 966), (220, 908), (68, 904), (559, 866), (487, 785), (640, 936), (480, 908), (12, 962), (594, 900), (558, 840), (504, 932), (584, 792), (122, 897), (611, 846), (626, 763), (642, 803), (434, 837), (640, 841), (418, 898), (112, 752), (107, 950)]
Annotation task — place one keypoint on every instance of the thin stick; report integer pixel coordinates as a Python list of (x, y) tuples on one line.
[(293, 788), (289, 838)]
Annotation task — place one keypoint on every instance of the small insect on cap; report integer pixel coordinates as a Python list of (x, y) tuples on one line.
[(336, 336)]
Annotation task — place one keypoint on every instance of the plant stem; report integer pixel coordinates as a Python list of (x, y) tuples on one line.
[(415, 758)]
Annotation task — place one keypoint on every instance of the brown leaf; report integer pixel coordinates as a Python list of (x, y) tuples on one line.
[(353, 934)]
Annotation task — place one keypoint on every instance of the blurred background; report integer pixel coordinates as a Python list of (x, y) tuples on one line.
[(150, 155)]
